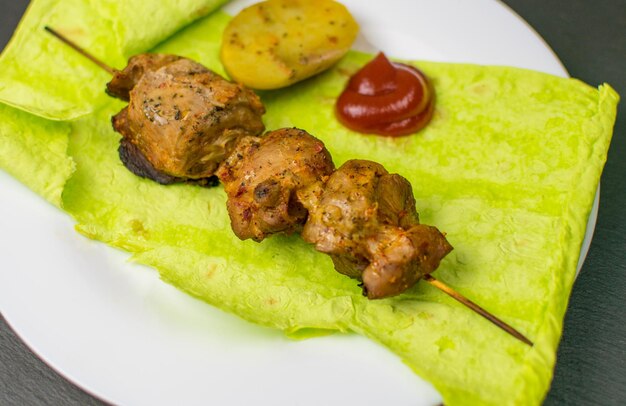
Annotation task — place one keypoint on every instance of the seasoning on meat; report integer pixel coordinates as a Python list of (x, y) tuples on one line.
[(262, 176), (182, 118), (365, 219), (124, 80)]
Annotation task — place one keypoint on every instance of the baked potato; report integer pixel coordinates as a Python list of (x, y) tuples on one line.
[(276, 43)]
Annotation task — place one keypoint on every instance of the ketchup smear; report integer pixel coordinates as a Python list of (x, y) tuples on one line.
[(386, 98)]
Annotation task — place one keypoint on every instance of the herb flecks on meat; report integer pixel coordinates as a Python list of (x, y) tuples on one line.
[(262, 176), (365, 219), (182, 119)]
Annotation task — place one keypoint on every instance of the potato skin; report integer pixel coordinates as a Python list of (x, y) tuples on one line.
[(276, 43)]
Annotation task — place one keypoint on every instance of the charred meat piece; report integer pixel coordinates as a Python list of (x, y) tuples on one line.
[(261, 178), (365, 219), (183, 118), (136, 163)]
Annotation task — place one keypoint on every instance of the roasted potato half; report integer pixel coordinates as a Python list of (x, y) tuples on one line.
[(276, 43)]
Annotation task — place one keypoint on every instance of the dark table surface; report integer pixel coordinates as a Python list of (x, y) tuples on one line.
[(590, 39)]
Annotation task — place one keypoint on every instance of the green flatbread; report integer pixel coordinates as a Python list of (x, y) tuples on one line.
[(34, 151), (508, 169), (41, 75)]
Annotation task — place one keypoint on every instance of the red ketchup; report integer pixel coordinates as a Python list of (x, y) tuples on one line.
[(386, 98)]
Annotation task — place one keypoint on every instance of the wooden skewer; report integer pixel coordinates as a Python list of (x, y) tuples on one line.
[(81, 51), (457, 296), (428, 278)]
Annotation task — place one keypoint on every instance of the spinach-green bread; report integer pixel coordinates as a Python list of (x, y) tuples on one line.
[(507, 168)]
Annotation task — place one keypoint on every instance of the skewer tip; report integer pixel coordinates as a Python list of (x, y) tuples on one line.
[(473, 306)]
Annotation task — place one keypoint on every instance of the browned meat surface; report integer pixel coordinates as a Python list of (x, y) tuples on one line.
[(263, 174), (365, 219), (135, 162), (124, 80), (185, 119), (400, 257)]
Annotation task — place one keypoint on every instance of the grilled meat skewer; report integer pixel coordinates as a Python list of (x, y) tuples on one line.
[(362, 216), (383, 243)]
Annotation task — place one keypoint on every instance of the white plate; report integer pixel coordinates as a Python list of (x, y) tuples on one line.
[(120, 333)]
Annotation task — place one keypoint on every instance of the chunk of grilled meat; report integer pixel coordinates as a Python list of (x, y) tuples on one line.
[(124, 80), (365, 219), (400, 257), (261, 178), (182, 118)]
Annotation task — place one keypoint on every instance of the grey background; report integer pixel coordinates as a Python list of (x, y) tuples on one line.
[(590, 39)]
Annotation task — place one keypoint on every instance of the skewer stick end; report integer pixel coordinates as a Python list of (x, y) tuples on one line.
[(473, 306)]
